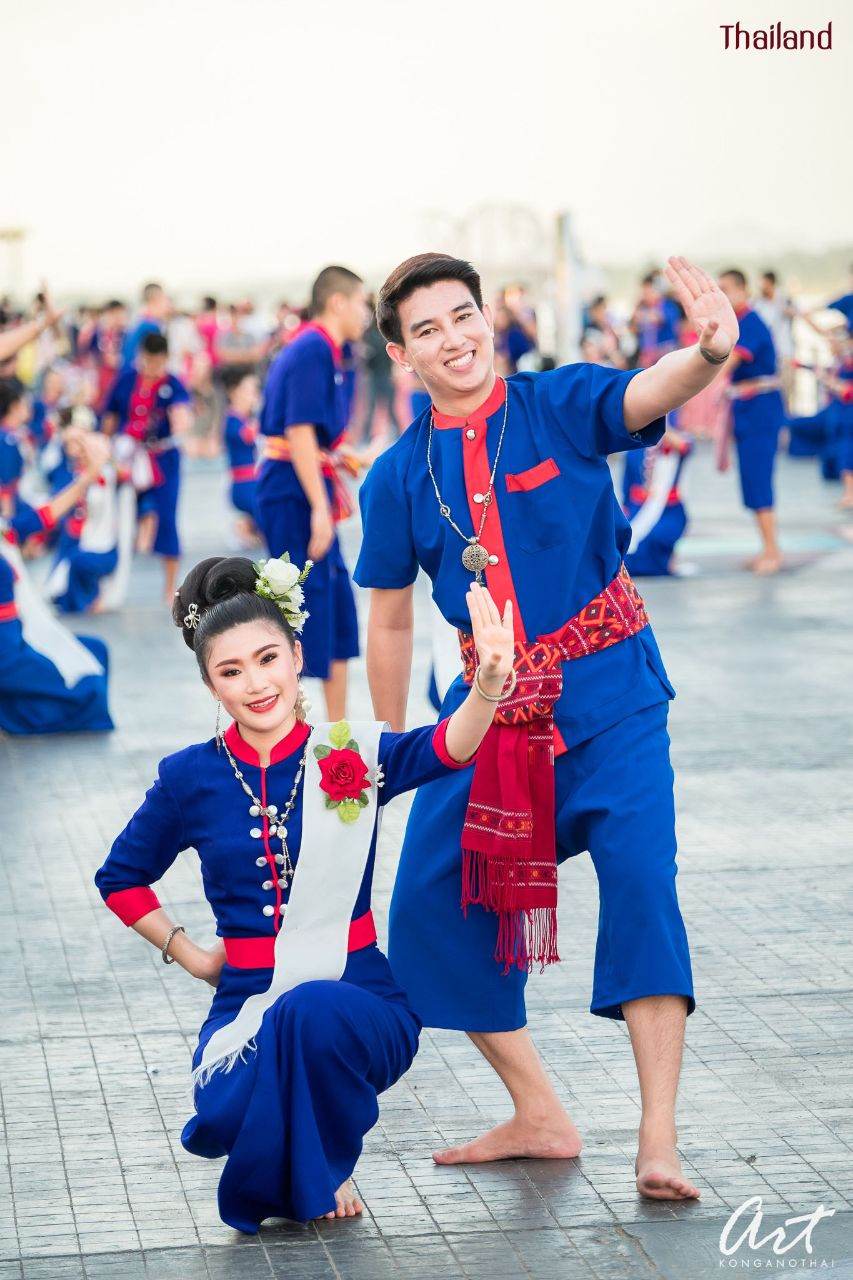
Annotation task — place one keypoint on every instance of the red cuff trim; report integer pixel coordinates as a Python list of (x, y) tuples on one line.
[(743, 352), (47, 518), (131, 905), (439, 746)]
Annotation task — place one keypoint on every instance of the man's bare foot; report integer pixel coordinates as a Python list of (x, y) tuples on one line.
[(554, 1138), (767, 564), (347, 1202), (658, 1171)]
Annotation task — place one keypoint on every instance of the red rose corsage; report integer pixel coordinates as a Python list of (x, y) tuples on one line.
[(343, 773)]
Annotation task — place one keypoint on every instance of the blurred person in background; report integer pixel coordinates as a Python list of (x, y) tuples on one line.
[(380, 414), (153, 316), (300, 497), (777, 310), (148, 409), (654, 321), (240, 435), (757, 415)]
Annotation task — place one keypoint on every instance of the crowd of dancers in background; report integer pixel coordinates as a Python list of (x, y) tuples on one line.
[(97, 407)]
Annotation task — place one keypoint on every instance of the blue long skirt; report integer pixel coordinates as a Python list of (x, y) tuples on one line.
[(653, 555), (35, 699), (85, 571), (291, 1117)]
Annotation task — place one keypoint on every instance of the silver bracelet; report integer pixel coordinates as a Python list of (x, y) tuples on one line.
[(504, 693), (164, 951), (712, 359)]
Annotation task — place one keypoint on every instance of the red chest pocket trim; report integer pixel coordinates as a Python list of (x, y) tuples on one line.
[(533, 477)]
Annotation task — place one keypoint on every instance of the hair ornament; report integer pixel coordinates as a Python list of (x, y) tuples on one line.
[(280, 581), (192, 618)]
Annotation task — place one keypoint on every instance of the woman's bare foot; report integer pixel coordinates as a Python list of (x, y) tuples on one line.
[(347, 1202), (658, 1170), (768, 563), (553, 1138)]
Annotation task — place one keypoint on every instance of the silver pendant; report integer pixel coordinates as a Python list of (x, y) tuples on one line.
[(256, 833), (475, 557)]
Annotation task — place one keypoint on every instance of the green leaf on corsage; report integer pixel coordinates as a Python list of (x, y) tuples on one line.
[(340, 734), (363, 800), (322, 751), (348, 810), (334, 804)]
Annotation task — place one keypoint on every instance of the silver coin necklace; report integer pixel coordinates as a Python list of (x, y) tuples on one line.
[(475, 557), (277, 821)]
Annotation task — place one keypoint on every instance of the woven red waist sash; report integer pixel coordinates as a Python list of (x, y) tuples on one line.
[(241, 474), (509, 854), (278, 448), (259, 953)]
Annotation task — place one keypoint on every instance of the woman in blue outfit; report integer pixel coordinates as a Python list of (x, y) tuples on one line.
[(50, 681), (308, 1025)]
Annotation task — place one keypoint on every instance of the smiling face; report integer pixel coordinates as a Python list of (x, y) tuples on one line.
[(254, 672), (448, 341)]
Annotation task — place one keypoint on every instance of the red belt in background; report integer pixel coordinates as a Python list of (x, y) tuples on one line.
[(239, 474), (278, 448), (259, 953), (8, 611)]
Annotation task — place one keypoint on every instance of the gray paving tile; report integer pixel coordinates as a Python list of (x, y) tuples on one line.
[(97, 1033)]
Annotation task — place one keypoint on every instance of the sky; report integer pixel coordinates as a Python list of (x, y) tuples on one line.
[(223, 142)]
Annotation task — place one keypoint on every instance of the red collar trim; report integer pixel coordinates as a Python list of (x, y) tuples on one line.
[(290, 743), (313, 327), (740, 312), (495, 399)]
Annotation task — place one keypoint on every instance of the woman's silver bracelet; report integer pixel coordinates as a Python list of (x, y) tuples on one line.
[(504, 693), (164, 952)]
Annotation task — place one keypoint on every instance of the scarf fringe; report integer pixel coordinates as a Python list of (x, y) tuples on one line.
[(527, 936), (201, 1075)]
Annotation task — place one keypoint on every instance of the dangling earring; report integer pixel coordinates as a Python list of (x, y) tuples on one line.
[(218, 729), (301, 705)]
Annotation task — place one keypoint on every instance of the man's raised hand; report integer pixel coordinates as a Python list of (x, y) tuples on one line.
[(707, 307)]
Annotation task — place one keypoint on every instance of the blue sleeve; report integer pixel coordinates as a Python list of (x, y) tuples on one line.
[(180, 395), (410, 759), (143, 852), (11, 462), (748, 339), (586, 402), (117, 400), (301, 394), (26, 522), (387, 558)]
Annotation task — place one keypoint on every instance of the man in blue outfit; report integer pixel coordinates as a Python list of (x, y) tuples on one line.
[(508, 480)]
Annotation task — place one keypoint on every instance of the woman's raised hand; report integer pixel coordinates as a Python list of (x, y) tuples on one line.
[(493, 636)]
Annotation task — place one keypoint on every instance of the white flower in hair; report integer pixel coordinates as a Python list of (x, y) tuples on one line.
[(280, 581), (279, 575)]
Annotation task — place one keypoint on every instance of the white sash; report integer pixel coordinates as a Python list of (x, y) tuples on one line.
[(314, 938), (43, 631)]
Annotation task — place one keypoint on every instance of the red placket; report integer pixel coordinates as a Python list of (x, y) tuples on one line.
[(477, 471), (274, 867)]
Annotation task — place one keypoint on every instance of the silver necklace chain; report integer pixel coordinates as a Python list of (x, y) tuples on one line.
[(277, 822), (474, 557)]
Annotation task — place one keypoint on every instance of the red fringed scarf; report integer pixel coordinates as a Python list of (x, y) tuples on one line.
[(509, 853)]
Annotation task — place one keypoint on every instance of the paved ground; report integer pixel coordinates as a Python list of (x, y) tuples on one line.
[(96, 1033)]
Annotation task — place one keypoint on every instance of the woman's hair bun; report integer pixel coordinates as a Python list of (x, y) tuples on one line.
[(212, 581)]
